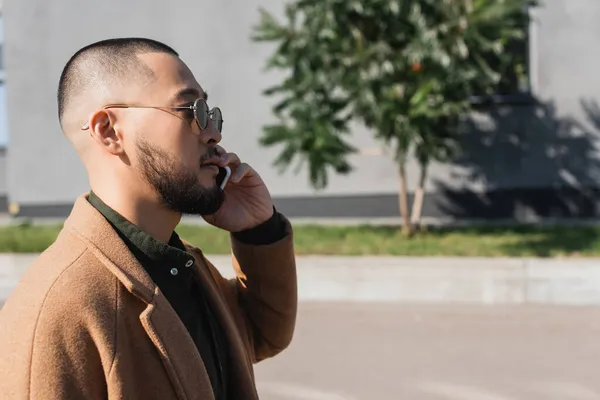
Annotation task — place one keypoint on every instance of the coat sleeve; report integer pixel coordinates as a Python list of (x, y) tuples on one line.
[(263, 296)]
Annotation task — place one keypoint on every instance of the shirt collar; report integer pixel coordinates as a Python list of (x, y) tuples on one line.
[(174, 251)]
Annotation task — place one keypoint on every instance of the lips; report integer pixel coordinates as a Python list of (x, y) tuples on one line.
[(210, 163), (210, 166)]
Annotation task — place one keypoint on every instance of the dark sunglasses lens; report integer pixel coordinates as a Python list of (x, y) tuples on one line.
[(201, 110), (217, 118)]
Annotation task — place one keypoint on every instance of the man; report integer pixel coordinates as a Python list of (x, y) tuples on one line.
[(119, 307)]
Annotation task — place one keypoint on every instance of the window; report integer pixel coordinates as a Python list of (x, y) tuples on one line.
[(3, 112), (3, 117), (1, 43)]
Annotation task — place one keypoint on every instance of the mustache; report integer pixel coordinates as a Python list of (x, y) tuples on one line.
[(212, 152)]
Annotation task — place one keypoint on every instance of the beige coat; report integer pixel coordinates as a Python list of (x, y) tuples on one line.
[(87, 322)]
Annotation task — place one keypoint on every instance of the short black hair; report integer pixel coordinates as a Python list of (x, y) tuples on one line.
[(103, 60)]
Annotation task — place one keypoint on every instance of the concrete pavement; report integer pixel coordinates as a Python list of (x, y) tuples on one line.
[(478, 332), (430, 280), (350, 351)]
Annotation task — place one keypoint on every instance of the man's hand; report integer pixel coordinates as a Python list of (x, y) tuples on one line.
[(247, 203)]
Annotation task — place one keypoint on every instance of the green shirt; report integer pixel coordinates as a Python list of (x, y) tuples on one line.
[(169, 265)]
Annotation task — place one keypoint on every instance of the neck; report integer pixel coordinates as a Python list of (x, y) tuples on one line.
[(141, 208)]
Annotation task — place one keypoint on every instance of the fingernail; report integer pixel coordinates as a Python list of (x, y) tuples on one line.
[(223, 158)]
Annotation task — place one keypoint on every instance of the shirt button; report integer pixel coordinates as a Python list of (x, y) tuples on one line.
[(189, 263), (174, 271)]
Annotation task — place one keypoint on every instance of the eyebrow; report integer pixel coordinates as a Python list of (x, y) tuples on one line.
[(186, 93)]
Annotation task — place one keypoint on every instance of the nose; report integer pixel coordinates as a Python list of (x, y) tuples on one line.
[(210, 134)]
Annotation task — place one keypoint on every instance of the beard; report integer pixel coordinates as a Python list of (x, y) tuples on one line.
[(178, 189)]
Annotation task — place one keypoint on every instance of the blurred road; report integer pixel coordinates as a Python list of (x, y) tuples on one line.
[(368, 352)]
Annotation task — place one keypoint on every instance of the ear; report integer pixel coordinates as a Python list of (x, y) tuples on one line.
[(102, 130)]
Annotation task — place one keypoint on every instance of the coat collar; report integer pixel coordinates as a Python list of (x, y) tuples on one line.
[(91, 226)]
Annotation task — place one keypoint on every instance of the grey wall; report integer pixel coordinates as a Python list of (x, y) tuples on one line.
[(539, 149)]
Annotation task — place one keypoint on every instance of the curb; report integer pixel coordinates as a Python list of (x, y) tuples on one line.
[(428, 280)]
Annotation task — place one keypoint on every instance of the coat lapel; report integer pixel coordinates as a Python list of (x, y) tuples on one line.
[(177, 350)]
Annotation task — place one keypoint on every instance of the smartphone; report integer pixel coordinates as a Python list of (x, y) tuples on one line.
[(223, 176)]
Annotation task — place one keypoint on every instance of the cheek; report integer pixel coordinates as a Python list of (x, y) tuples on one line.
[(188, 154), (176, 142), (172, 138), (185, 146), (161, 126)]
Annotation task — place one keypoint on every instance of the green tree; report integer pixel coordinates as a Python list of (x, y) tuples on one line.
[(407, 70)]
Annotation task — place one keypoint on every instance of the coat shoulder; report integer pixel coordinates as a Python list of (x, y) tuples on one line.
[(60, 319), (65, 281), (61, 311)]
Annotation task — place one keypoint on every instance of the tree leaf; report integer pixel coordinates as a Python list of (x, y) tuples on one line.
[(404, 69)]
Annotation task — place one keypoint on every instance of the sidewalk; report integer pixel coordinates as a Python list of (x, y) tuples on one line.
[(417, 279)]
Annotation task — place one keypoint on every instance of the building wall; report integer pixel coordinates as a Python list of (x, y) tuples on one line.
[(542, 154)]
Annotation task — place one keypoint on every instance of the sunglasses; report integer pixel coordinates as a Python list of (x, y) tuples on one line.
[(201, 113)]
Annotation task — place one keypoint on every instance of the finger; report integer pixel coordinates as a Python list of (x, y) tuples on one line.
[(241, 172), (219, 150), (230, 159)]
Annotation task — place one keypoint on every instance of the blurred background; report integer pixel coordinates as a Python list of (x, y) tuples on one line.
[(530, 156), (438, 158)]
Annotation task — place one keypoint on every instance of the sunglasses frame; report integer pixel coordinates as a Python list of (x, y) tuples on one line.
[(209, 112)]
